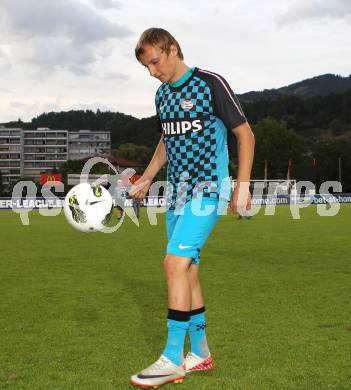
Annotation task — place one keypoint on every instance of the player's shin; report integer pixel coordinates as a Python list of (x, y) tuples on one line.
[(177, 324), (197, 332)]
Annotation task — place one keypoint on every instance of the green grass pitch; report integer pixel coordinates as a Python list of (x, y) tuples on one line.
[(86, 311)]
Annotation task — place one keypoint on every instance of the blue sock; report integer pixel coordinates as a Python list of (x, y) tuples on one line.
[(177, 324), (197, 332)]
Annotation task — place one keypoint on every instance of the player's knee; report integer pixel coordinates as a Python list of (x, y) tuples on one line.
[(175, 265), (193, 275)]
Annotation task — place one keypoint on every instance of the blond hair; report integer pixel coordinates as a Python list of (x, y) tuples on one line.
[(158, 37)]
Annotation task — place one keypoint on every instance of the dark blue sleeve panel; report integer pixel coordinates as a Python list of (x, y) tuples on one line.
[(159, 125), (158, 115), (226, 105)]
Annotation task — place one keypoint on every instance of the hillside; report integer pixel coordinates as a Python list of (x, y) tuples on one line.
[(316, 86), (316, 108)]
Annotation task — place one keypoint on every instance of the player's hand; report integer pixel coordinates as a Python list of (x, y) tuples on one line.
[(140, 188), (241, 198)]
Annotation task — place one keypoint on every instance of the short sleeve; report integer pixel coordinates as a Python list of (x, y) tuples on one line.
[(226, 105)]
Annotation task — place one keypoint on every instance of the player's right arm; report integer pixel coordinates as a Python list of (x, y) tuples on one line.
[(142, 185)]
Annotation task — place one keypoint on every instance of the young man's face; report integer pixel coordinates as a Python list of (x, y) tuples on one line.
[(160, 64)]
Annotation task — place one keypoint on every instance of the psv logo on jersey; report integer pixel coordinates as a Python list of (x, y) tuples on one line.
[(187, 104)]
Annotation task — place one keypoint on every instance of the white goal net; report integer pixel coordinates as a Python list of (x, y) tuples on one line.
[(272, 188)]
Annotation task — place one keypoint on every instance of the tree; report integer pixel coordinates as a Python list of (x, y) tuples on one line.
[(277, 144), (138, 153), (327, 154), (76, 166)]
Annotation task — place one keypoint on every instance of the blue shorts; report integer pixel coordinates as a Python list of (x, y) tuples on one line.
[(188, 229)]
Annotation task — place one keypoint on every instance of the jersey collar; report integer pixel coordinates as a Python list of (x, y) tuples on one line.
[(184, 80)]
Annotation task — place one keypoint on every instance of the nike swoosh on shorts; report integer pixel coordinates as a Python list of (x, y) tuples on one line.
[(180, 246)]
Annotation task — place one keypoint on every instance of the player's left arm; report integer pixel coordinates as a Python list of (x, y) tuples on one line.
[(241, 198), (227, 107)]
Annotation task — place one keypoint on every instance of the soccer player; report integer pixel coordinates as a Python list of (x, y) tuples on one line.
[(121, 195), (195, 109), (136, 207)]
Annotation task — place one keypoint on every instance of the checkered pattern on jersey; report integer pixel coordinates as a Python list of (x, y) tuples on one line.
[(191, 156), (192, 160), (169, 102)]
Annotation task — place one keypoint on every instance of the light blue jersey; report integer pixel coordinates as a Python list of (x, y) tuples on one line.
[(195, 114)]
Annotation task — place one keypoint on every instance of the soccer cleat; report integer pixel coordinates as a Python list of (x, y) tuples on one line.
[(161, 372), (197, 363)]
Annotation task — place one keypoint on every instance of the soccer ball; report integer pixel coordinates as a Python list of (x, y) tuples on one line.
[(88, 208)]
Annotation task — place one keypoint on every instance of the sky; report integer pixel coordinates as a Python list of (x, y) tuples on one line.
[(58, 55)]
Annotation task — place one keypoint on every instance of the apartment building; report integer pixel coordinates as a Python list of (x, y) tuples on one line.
[(11, 146), (86, 143), (28, 153), (44, 150)]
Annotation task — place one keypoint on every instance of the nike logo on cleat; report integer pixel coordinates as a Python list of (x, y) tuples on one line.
[(141, 376)]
